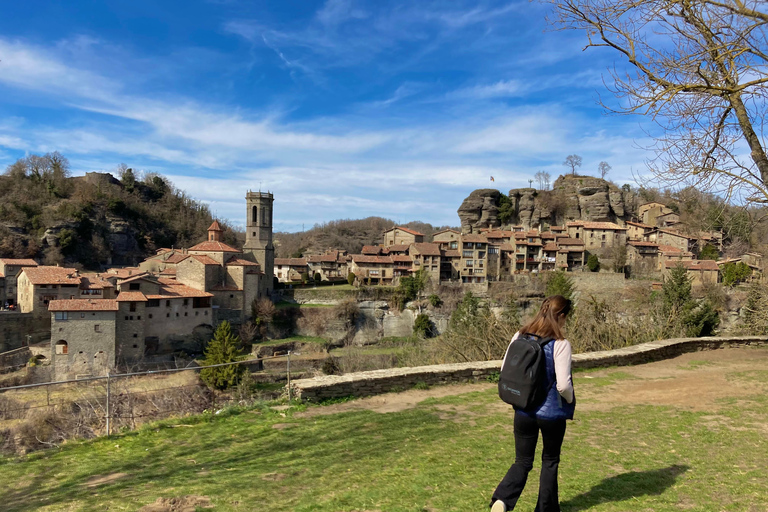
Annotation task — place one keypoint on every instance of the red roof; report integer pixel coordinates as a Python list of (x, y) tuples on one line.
[(142, 277), (402, 258), (407, 230), (213, 247), (94, 282), (507, 248), (173, 290), (449, 230), (693, 264), (126, 272), (176, 258), (669, 248), (427, 249), (480, 239), (550, 247), (215, 226), (131, 297), (603, 225), (639, 224), (83, 305), (675, 233), (362, 258), (371, 250), (638, 243), (291, 262), (205, 260), (51, 275), (19, 262), (397, 248), (452, 254), (498, 234), (240, 262), (569, 241), (322, 258)]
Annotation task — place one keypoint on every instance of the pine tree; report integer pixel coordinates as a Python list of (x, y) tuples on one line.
[(560, 284), (676, 290), (222, 349)]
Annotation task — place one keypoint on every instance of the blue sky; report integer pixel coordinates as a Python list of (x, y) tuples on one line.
[(342, 108)]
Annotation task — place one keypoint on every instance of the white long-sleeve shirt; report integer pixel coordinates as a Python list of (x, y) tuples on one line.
[(562, 355)]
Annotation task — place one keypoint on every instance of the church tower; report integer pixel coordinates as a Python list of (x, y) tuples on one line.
[(258, 237)]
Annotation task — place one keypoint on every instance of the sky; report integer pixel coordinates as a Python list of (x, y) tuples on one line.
[(341, 108)]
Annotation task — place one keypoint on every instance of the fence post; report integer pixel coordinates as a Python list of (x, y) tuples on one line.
[(48, 395), (108, 390), (289, 375)]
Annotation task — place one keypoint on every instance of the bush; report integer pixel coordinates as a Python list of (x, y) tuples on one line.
[(423, 326), (755, 311), (593, 264), (318, 277), (709, 252), (683, 314), (435, 301), (351, 278), (560, 283), (734, 273), (330, 366), (223, 348)]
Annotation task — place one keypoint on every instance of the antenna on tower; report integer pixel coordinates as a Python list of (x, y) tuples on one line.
[(259, 187)]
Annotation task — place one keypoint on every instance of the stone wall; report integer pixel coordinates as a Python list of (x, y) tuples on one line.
[(397, 379), (13, 359), (15, 326)]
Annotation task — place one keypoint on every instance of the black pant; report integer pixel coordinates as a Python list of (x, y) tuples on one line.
[(526, 436)]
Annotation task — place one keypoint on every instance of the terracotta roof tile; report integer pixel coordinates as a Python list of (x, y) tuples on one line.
[(603, 225), (131, 297), (639, 224), (176, 258), (213, 247), (550, 247), (407, 230), (402, 258), (83, 305), (364, 258), (427, 249), (142, 277), (205, 260), (452, 254), (240, 262), (638, 243), (507, 248), (371, 250), (449, 230), (480, 239), (175, 290), (51, 275), (215, 226), (94, 282), (24, 262), (569, 241), (126, 272), (398, 248), (292, 262), (693, 264), (322, 258)]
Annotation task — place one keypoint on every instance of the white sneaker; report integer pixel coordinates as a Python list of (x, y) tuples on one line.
[(499, 506)]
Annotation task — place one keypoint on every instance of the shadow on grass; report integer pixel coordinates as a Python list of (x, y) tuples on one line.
[(625, 486)]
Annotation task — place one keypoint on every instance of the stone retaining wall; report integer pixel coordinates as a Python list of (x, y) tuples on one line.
[(398, 379)]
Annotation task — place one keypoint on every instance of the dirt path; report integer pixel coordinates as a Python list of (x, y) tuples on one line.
[(695, 381)]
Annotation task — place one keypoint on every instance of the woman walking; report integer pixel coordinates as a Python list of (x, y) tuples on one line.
[(549, 417)]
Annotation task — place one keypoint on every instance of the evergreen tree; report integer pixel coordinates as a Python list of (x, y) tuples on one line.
[(223, 348), (709, 252), (560, 284), (676, 290), (593, 263)]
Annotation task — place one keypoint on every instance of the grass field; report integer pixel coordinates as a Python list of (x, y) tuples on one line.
[(685, 434)]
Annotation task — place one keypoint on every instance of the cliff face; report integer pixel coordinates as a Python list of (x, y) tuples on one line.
[(571, 198), (480, 210)]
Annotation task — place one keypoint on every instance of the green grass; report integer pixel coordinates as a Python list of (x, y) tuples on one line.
[(445, 454), (292, 305), (292, 339)]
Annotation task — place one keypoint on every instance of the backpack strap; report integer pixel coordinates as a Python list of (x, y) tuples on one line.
[(541, 340)]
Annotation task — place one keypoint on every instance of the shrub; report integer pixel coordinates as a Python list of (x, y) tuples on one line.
[(435, 300), (683, 314), (709, 252), (423, 326), (351, 278), (318, 277), (593, 264), (223, 348), (330, 366), (560, 283), (734, 273), (755, 311)]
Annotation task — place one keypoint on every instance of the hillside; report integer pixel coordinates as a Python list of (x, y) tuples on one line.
[(93, 220), (350, 235)]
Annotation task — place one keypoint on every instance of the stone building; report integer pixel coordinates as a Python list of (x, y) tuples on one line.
[(474, 258), (37, 286), (332, 266), (448, 239), (402, 236), (642, 257), (699, 271), (649, 212), (373, 270), (258, 237), (290, 270), (426, 256), (10, 268), (598, 235)]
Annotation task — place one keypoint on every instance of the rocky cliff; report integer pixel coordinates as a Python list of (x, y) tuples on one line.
[(571, 198)]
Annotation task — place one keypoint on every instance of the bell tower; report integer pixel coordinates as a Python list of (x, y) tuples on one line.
[(258, 237)]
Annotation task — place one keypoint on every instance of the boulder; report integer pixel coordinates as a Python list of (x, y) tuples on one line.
[(480, 210)]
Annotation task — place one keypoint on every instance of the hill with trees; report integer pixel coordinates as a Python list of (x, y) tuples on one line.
[(94, 220), (348, 234)]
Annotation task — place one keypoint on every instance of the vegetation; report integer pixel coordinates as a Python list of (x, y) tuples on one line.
[(423, 326), (709, 252), (559, 283), (435, 301), (351, 278), (756, 310), (659, 457), (684, 314), (77, 217), (223, 348), (593, 264), (734, 273), (410, 287)]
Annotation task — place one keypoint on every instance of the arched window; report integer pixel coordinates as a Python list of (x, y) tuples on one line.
[(255, 214), (61, 347)]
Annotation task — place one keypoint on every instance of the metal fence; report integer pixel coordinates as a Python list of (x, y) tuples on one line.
[(101, 404)]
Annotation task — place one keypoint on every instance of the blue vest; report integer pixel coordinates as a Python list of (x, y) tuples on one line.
[(554, 407)]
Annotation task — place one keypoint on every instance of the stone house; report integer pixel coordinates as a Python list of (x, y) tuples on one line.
[(332, 266), (638, 230), (700, 271), (289, 270), (642, 257), (598, 235), (668, 220), (671, 253), (374, 270), (672, 238), (372, 250), (474, 258), (402, 236), (528, 251), (426, 256), (37, 286), (10, 268), (549, 256), (650, 211), (450, 264), (571, 253), (448, 239)]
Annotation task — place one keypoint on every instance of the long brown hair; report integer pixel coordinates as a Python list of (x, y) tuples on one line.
[(546, 323)]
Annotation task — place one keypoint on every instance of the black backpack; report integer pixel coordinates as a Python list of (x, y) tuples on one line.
[(523, 378)]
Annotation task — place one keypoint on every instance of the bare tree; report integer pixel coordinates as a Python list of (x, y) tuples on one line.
[(698, 69), (540, 178), (545, 175), (572, 161), (604, 169)]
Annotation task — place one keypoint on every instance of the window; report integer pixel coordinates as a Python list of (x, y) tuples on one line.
[(61, 347), (82, 315), (470, 263), (186, 302), (61, 316), (603, 238), (467, 254), (167, 315), (134, 286), (454, 245), (135, 346), (135, 335), (493, 250), (138, 317), (185, 313), (150, 315), (231, 295), (132, 306), (96, 328), (153, 303), (167, 303)]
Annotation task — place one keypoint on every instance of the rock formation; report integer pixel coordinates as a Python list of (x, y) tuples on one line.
[(480, 210), (571, 198)]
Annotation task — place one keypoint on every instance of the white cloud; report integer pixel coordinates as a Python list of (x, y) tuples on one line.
[(500, 89)]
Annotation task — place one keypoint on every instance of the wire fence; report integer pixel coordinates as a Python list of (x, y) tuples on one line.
[(47, 413)]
